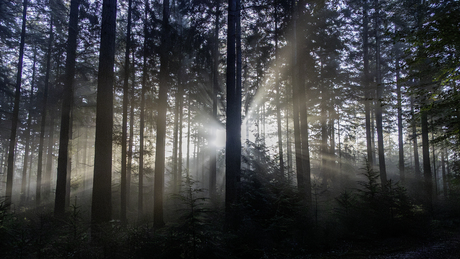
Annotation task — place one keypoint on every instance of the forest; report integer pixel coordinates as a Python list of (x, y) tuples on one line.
[(229, 129)]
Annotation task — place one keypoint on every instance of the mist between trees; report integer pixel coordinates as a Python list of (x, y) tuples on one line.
[(195, 127)]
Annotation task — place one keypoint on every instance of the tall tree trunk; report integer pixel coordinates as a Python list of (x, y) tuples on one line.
[(305, 151), (69, 156), (278, 103), (324, 129), (175, 176), (402, 173), (295, 103), (367, 90), (426, 161), (125, 120), (129, 167), (215, 89), (233, 126), (65, 134), (102, 180), (414, 140), (29, 180), (158, 220), (15, 118), (27, 133), (140, 197), (378, 106), (43, 118), (49, 157), (444, 175), (188, 134), (288, 136)]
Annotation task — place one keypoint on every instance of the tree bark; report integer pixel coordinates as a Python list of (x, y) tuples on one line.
[(102, 180), (15, 118), (215, 89), (158, 220), (278, 103), (418, 173), (125, 120), (378, 106), (367, 90), (65, 134), (233, 126), (426, 161), (402, 173), (27, 133)]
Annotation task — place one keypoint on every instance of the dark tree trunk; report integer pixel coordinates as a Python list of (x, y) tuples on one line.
[(65, 134), (215, 88), (233, 127), (402, 173), (69, 158), (43, 123), (367, 90), (27, 133), (426, 161), (15, 118), (378, 106), (278, 103), (175, 181), (295, 103), (102, 180), (188, 135), (324, 130), (302, 101), (49, 157), (158, 220), (444, 175), (140, 199), (418, 173), (131, 138), (125, 120)]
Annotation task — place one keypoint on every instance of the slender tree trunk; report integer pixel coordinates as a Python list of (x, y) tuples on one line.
[(69, 156), (85, 164), (102, 180), (43, 120), (15, 118), (27, 133), (295, 103), (278, 103), (305, 151), (378, 106), (402, 173), (158, 220), (215, 89), (131, 138), (188, 135), (175, 176), (288, 136), (367, 90), (418, 173), (29, 180), (49, 157), (324, 129), (125, 120), (65, 135), (426, 161), (233, 127), (140, 199), (444, 175)]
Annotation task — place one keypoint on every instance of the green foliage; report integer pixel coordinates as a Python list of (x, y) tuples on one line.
[(378, 211)]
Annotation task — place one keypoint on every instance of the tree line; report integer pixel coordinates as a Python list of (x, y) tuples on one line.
[(120, 104)]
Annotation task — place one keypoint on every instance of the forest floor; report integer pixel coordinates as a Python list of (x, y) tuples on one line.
[(445, 245)]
